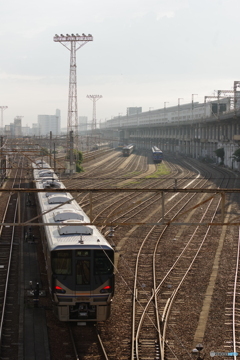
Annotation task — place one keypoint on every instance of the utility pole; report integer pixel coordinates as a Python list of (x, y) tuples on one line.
[(94, 99), (193, 105), (54, 157), (2, 109), (73, 43), (165, 106), (179, 106), (71, 152), (50, 152)]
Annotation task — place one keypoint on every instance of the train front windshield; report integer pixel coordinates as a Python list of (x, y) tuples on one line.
[(82, 267), (103, 262), (62, 262)]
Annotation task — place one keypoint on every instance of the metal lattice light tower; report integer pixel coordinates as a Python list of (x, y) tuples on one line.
[(94, 99), (73, 43), (2, 109)]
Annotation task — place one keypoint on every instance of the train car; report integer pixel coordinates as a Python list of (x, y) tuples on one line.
[(79, 260), (128, 149), (100, 146), (157, 154), (173, 114)]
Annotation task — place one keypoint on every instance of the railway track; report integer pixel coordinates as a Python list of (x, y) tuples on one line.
[(232, 312), (87, 343), (9, 261), (109, 179), (93, 155), (139, 205), (151, 291), (146, 270), (109, 168), (116, 332)]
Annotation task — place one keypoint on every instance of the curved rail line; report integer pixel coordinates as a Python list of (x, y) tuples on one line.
[(155, 291)]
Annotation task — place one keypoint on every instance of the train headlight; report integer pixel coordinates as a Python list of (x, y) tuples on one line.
[(106, 289), (59, 290)]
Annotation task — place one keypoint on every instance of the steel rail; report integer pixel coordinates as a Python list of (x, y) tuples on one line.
[(172, 298), (153, 297), (235, 294), (101, 344), (102, 181), (73, 344), (130, 209), (135, 336), (155, 293), (9, 261)]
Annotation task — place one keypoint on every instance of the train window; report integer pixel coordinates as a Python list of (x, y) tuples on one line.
[(62, 262), (103, 262), (83, 272)]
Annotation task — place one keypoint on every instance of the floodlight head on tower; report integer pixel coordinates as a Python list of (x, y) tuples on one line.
[(72, 37)]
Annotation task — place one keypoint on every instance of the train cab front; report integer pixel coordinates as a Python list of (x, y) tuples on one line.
[(84, 290)]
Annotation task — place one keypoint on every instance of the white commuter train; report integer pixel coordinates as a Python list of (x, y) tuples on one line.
[(79, 260)]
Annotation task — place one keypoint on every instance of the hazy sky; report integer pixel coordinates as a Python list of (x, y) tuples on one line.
[(144, 53)]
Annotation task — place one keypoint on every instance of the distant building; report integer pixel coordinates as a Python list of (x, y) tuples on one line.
[(7, 130), (26, 130), (35, 130), (17, 126), (49, 123), (134, 110)]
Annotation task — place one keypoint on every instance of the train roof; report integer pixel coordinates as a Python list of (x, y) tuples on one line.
[(70, 231), (128, 146), (156, 149)]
